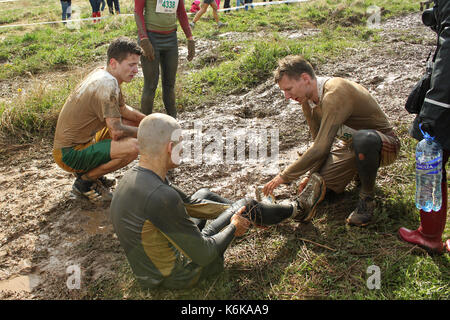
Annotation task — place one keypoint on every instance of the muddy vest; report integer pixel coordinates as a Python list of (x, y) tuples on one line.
[(156, 21)]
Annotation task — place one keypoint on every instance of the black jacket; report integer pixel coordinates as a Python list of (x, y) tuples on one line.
[(435, 113)]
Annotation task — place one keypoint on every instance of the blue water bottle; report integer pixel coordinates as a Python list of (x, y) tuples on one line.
[(428, 174)]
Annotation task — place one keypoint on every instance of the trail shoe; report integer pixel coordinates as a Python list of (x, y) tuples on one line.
[(192, 24), (221, 24), (91, 190), (107, 183), (363, 213), (306, 203)]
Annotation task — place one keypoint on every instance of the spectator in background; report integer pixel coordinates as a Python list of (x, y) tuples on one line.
[(226, 5), (95, 4), (102, 5), (434, 117), (203, 8), (115, 4), (195, 6), (66, 9), (248, 3)]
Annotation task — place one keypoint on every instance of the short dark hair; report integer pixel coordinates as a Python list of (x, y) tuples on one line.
[(121, 47), (293, 66)]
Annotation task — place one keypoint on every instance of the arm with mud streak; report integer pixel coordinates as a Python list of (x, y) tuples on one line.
[(335, 112), (131, 116), (139, 6), (120, 130)]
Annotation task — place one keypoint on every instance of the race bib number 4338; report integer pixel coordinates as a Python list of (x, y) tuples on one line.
[(166, 6)]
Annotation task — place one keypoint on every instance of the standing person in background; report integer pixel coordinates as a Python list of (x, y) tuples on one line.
[(226, 5), (102, 5), (157, 30), (248, 3), (113, 4), (66, 9), (434, 117), (95, 4), (203, 9)]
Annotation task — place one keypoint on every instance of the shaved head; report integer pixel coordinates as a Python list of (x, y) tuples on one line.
[(155, 132)]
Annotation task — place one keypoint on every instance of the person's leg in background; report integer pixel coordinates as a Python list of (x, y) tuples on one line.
[(110, 6), (64, 6), (150, 69), (169, 65), (117, 6)]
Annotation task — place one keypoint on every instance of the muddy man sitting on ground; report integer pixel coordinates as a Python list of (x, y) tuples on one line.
[(163, 231)]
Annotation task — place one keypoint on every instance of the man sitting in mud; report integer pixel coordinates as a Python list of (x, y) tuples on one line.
[(96, 131), (163, 231), (342, 109)]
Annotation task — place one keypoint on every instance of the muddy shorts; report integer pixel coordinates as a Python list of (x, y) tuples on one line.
[(340, 167), (85, 157), (208, 1)]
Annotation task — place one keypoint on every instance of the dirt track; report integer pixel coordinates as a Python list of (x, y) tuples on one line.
[(43, 230)]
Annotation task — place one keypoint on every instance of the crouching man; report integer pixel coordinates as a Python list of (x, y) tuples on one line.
[(96, 131)]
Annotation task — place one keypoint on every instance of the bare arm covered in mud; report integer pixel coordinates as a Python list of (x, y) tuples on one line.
[(120, 130), (131, 116)]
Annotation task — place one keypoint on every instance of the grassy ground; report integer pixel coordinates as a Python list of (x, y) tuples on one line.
[(323, 260)]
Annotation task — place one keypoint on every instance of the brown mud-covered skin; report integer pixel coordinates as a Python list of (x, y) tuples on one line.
[(43, 230)]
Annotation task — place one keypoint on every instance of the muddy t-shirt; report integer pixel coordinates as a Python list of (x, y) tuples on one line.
[(97, 97), (342, 103)]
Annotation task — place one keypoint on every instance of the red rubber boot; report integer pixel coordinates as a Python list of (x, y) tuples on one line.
[(432, 225), (94, 14)]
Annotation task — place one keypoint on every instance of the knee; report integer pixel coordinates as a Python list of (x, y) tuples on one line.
[(202, 193), (366, 140), (132, 150)]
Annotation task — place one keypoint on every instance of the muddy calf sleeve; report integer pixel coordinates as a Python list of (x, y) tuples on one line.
[(367, 145), (265, 214)]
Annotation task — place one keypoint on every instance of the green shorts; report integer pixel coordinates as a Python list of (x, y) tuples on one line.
[(84, 157)]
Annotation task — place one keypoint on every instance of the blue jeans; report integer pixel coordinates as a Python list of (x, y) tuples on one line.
[(116, 5), (95, 4), (64, 6)]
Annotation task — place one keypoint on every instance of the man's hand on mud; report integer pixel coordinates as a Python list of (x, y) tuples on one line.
[(242, 224), (272, 184), (191, 49), (149, 52)]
